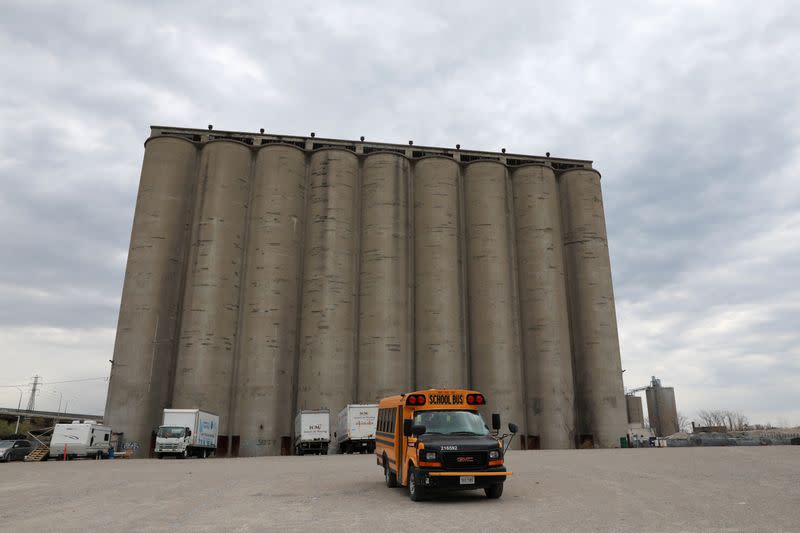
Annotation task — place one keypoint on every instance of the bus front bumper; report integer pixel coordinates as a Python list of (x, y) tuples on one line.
[(466, 480)]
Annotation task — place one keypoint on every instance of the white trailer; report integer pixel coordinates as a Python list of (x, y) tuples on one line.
[(312, 432), (356, 429), (80, 439), (187, 432)]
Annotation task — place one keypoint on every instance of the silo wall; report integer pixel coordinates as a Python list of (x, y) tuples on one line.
[(327, 357), (269, 313), (386, 351), (662, 411), (494, 342), (205, 364), (634, 406), (144, 350), (439, 320), (550, 398), (600, 398)]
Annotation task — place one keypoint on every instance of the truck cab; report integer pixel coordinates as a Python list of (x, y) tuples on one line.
[(187, 433), (172, 440), (437, 440)]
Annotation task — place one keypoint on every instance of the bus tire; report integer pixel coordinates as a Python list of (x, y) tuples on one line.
[(391, 477), (415, 491), (494, 492)]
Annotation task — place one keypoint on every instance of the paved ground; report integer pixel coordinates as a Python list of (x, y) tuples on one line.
[(678, 489)]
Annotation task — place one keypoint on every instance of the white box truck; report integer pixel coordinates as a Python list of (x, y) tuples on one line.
[(80, 439), (356, 429), (186, 433), (312, 432)]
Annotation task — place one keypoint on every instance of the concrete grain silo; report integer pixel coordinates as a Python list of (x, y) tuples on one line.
[(385, 351), (144, 352), (205, 364), (550, 403), (264, 391), (494, 342), (635, 412), (327, 358), (602, 417), (661, 409), (441, 358), (272, 273)]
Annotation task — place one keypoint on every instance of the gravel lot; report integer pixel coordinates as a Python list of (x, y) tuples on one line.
[(678, 489)]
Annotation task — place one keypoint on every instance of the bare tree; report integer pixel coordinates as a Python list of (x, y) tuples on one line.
[(733, 420), (684, 424), (713, 417)]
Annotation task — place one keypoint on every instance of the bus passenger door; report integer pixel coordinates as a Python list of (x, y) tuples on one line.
[(400, 445)]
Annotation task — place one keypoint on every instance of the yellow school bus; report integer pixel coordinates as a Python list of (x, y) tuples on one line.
[(436, 439)]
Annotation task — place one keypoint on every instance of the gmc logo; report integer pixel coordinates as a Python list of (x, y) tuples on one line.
[(467, 459)]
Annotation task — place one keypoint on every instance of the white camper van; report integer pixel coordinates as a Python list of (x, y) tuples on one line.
[(80, 439)]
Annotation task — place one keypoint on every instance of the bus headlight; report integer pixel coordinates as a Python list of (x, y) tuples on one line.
[(494, 454), (430, 456)]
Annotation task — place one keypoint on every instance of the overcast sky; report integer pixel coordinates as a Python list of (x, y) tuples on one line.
[(689, 110)]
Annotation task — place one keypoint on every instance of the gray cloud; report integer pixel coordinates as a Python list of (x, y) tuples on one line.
[(690, 112)]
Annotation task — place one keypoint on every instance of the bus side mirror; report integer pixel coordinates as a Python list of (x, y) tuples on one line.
[(512, 428), (407, 428), (417, 430), (496, 421)]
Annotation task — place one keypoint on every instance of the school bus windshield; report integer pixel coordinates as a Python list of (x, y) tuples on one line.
[(446, 422)]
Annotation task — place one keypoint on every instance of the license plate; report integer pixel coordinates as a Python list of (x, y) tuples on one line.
[(467, 480)]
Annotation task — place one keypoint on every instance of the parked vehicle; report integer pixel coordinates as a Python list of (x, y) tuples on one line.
[(187, 433), (436, 439), (15, 449), (80, 439), (312, 432), (356, 429)]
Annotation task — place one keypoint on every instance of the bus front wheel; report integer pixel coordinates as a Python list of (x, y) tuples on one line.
[(494, 492), (415, 491)]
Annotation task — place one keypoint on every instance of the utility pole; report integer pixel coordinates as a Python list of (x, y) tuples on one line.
[(34, 388), (19, 404)]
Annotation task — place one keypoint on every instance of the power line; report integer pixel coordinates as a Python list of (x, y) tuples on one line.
[(56, 382)]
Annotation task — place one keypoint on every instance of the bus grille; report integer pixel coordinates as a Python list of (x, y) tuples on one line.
[(464, 460)]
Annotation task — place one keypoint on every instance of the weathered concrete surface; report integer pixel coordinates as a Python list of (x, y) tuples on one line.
[(439, 318), (385, 352), (493, 335), (147, 331), (328, 329), (205, 363), (664, 490), (270, 307), (600, 398), (550, 393)]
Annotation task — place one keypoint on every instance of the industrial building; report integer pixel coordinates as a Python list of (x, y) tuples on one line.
[(661, 409), (271, 273)]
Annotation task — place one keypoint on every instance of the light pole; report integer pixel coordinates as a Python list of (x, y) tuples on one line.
[(19, 404)]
